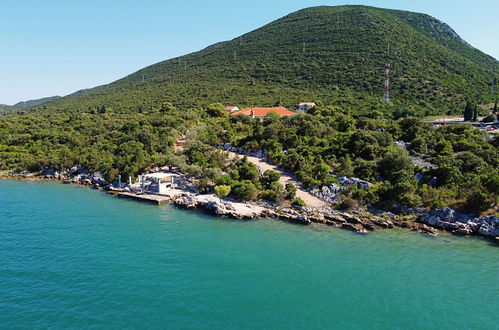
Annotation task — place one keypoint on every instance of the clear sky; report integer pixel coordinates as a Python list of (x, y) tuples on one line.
[(56, 47)]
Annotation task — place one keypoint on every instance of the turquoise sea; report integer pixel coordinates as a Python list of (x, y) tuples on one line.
[(73, 257)]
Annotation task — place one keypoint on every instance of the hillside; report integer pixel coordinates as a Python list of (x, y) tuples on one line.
[(330, 54), (30, 103)]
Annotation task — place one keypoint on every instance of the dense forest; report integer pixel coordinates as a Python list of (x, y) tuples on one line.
[(318, 147), (327, 143)]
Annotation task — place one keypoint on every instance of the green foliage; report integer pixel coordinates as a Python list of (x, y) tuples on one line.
[(468, 111), (396, 160), (290, 191), (216, 110), (346, 167), (347, 204), (478, 202), (299, 202), (269, 177), (244, 191), (248, 171), (222, 190)]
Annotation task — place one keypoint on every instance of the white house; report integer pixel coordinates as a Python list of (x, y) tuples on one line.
[(231, 109), (305, 106), (158, 182)]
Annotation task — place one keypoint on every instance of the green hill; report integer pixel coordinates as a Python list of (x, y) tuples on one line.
[(30, 103), (333, 55)]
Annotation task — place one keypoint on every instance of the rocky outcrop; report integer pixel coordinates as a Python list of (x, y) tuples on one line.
[(349, 182), (329, 193), (332, 192), (261, 154), (219, 207), (186, 201), (462, 224)]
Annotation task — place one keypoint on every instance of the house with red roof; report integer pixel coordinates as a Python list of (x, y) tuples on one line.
[(263, 112)]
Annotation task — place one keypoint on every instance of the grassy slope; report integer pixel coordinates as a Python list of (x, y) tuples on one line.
[(433, 69)]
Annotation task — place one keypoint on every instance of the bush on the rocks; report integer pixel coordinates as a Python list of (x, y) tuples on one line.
[(222, 190), (477, 202), (347, 204), (299, 202), (290, 191), (244, 191)]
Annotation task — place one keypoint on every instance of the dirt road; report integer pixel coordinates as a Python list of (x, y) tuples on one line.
[(286, 177)]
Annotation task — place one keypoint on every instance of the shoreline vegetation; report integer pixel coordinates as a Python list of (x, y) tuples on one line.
[(361, 221)]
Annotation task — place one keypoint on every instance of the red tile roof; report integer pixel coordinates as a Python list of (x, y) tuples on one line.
[(230, 108), (260, 112)]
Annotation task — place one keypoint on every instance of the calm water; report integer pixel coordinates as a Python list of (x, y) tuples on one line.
[(72, 257)]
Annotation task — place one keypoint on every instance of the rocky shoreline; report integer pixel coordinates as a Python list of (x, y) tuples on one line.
[(429, 223)]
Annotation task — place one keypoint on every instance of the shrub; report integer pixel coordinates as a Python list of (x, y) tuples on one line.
[(248, 171), (438, 204), (299, 202), (270, 177), (290, 191), (222, 190), (412, 200), (204, 185), (395, 160), (347, 204), (269, 195), (477, 202), (244, 191)]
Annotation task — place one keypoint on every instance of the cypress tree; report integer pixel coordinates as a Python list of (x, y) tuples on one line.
[(468, 111), (475, 113)]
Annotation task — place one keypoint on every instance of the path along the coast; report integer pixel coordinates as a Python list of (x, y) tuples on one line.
[(286, 177)]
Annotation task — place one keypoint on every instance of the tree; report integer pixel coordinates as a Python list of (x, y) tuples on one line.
[(244, 191), (222, 190), (290, 190), (346, 167), (167, 107), (269, 177), (248, 171), (216, 110), (280, 193), (397, 159), (475, 114), (477, 202), (468, 111)]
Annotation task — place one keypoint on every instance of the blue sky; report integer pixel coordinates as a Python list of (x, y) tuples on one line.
[(56, 47)]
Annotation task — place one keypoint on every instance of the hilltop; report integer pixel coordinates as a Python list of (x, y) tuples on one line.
[(333, 55)]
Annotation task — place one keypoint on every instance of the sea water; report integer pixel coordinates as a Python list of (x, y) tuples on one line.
[(72, 257)]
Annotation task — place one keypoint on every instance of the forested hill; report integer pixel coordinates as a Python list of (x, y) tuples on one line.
[(27, 104), (331, 55)]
